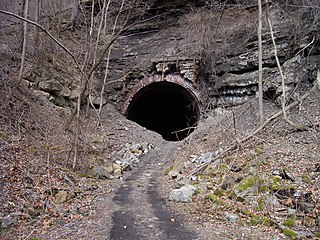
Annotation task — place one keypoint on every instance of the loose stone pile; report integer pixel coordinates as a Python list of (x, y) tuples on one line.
[(123, 160), (278, 197)]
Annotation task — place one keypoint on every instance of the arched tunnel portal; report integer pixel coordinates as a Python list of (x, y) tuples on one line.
[(167, 106)]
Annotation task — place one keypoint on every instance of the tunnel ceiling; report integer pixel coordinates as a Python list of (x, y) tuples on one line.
[(166, 108)]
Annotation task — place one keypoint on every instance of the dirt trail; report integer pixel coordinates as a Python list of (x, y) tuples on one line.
[(141, 212)]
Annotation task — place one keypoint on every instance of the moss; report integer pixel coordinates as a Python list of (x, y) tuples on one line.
[(290, 233), (214, 198), (166, 172), (249, 182), (264, 188), (245, 212), (4, 136), (256, 219), (306, 179), (276, 179), (309, 221), (223, 167), (288, 222), (260, 206), (258, 151), (231, 195), (276, 183), (219, 192), (317, 234)]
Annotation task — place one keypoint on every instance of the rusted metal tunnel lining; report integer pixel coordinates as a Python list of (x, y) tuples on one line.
[(165, 107)]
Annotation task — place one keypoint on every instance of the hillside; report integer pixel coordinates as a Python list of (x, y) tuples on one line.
[(140, 120)]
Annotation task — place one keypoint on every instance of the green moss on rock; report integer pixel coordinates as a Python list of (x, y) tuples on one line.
[(288, 222), (247, 183), (262, 220), (214, 198), (290, 233), (219, 192), (317, 234), (260, 206), (245, 212), (306, 179), (258, 151), (276, 183)]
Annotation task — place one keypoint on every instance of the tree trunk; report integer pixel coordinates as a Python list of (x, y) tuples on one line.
[(36, 30), (261, 117), (75, 12), (24, 41)]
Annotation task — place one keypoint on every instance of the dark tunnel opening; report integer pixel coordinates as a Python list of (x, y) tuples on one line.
[(166, 108)]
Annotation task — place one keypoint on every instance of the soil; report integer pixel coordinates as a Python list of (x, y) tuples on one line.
[(137, 207), (40, 157)]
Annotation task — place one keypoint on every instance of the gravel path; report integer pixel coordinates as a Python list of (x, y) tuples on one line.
[(141, 212)]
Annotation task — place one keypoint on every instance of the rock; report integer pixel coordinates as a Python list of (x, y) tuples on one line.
[(249, 186), (288, 175), (187, 164), (29, 75), (6, 222), (117, 173), (116, 166), (50, 86), (63, 196), (183, 194), (173, 174), (74, 95), (183, 182), (91, 186), (65, 92), (202, 187), (227, 182), (101, 173), (109, 168), (57, 100), (207, 157), (42, 95), (126, 164), (271, 201), (231, 217), (96, 100)]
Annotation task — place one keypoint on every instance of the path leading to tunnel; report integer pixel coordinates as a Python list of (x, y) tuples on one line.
[(140, 211)]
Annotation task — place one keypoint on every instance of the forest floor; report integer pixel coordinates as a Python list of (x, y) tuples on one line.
[(43, 198), (56, 182)]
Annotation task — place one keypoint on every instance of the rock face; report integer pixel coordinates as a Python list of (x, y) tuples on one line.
[(221, 63)]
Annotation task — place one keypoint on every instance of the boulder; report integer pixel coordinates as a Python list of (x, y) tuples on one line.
[(7, 222), (231, 217), (183, 194), (249, 186), (117, 173), (50, 86), (101, 173), (63, 196)]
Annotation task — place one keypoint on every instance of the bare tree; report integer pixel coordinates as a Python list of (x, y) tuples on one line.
[(36, 30), (283, 86), (261, 117), (24, 41)]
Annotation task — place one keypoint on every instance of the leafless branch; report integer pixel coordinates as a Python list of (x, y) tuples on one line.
[(235, 144)]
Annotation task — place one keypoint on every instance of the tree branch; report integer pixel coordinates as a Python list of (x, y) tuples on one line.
[(235, 144), (45, 31)]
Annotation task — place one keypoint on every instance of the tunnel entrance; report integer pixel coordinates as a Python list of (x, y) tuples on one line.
[(166, 108)]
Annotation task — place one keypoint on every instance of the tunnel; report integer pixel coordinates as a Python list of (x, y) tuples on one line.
[(166, 108)]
